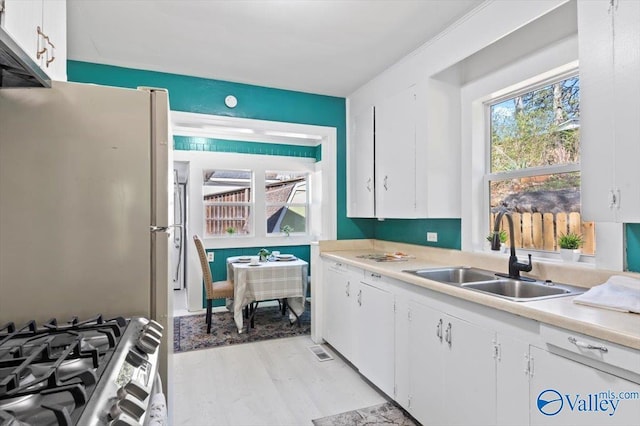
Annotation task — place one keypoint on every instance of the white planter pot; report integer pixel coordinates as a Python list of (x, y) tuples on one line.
[(569, 255)]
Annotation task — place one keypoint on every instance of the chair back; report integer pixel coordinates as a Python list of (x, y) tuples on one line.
[(204, 263)]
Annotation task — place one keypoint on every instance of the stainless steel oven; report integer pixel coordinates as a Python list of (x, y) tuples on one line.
[(93, 372)]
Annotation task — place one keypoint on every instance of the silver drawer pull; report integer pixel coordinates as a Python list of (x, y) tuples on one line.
[(584, 345), (376, 275)]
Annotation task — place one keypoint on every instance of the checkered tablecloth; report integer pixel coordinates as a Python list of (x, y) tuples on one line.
[(269, 280)]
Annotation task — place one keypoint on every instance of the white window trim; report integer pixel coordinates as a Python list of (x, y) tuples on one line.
[(536, 68)]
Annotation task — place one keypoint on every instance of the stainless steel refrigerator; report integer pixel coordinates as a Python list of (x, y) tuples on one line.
[(85, 209)]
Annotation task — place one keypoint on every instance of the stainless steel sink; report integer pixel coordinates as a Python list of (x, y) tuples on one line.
[(455, 275), (488, 282), (521, 291)]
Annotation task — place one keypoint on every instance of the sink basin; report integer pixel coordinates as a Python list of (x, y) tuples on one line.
[(455, 275), (489, 283), (520, 291)]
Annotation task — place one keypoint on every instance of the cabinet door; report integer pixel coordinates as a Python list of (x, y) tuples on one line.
[(426, 379), (361, 185), (512, 381), (597, 158), (565, 392), (339, 324), (375, 358), (470, 373), (396, 156), (626, 108), (21, 19), (54, 23)]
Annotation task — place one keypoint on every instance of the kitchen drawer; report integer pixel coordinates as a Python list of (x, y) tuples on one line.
[(338, 266), (372, 277), (592, 348)]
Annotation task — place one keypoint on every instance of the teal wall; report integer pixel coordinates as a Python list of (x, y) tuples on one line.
[(190, 143), (414, 231), (633, 246)]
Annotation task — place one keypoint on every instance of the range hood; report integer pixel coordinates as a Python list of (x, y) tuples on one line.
[(17, 69)]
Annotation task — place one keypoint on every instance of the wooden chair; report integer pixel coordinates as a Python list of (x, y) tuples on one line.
[(214, 290)]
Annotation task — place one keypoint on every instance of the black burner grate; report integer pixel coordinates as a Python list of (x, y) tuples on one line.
[(48, 372)]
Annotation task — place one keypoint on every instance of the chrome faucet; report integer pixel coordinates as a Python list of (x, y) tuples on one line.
[(514, 266)]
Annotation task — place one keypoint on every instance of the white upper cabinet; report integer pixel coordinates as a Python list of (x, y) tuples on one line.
[(609, 49), (395, 155), (409, 143), (40, 28), (360, 160)]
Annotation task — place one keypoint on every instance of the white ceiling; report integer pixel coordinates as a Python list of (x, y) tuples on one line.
[(329, 47)]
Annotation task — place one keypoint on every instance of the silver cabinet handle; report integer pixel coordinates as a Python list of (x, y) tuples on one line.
[(439, 330), (584, 345), (359, 297), (369, 184), (447, 334), (375, 275), (385, 183), (347, 288)]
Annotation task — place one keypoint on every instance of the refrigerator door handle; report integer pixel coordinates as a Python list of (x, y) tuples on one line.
[(154, 228)]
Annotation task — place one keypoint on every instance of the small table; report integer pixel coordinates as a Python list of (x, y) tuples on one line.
[(285, 279)]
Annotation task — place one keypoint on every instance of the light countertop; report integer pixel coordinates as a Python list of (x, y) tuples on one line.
[(617, 327)]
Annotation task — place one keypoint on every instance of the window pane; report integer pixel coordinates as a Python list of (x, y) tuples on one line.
[(227, 196), (543, 207), (227, 185), (537, 128), (287, 202)]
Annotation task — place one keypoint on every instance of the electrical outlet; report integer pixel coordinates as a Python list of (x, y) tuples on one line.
[(432, 237), (210, 256)]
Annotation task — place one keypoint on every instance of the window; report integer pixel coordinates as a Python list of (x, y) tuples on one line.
[(534, 164), (228, 202), (286, 202)]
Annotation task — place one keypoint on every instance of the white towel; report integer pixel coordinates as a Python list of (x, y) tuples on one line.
[(618, 293)]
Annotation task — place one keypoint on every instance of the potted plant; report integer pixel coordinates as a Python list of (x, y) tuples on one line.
[(230, 230), (570, 244), (286, 229), (503, 239), (264, 254)]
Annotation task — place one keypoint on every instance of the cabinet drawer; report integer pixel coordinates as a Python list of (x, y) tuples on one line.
[(372, 277), (592, 348), (338, 267)]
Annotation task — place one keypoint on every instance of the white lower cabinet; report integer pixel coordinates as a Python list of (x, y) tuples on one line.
[(512, 378), (450, 362), (452, 369), (375, 324), (567, 392), (340, 287)]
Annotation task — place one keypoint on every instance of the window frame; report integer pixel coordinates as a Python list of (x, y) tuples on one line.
[(523, 87)]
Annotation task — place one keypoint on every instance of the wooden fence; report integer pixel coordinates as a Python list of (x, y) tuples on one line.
[(540, 231), (220, 217)]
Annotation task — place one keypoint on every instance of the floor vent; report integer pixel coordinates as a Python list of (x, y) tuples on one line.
[(320, 353)]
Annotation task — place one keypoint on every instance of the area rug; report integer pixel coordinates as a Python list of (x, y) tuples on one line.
[(382, 414), (190, 332)]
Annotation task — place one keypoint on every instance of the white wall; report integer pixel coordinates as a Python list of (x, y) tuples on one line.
[(486, 24)]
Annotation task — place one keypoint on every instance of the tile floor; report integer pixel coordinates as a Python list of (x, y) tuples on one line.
[(274, 382)]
